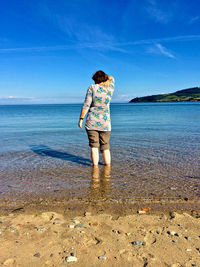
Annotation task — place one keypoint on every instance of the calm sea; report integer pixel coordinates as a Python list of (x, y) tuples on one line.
[(155, 150)]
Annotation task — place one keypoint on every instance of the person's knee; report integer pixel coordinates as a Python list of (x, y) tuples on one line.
[(93, 139), (104, 147), (104, 138)]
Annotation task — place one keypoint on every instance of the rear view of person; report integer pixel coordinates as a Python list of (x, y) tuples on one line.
[(98, 122)]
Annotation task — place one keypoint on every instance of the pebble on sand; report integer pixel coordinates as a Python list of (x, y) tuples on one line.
[(70, 259), (37, 255), (102, 257), (141, 211), (57, 221), (40, 229), (75, 220), (78, 225), (93, 223), (87, 213), (138, 242)]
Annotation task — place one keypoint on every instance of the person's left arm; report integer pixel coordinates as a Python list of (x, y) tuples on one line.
[(86, 105)]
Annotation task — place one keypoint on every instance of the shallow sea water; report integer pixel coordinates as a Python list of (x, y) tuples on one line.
[(155, 149)]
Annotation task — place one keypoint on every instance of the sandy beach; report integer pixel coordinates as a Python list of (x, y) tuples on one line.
[(98, 237)]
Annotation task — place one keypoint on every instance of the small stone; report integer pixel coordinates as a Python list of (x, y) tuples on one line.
[(146, 209), (71, 259), (188, 249), (12, 229), (57, 221), (128, 234), (171, 232), (51, 255), (40, 229), (94, 224), (120, 232), (138, 242), (198, 249), (75, 220), (174, 241), (73, 254), (141, 211), (87, 213), (102, 257), (187, 237), (172, 214), (177, 234), (71, 226), (37, 255), (1, 221), (78, 225), (194, 265), (157, 231)]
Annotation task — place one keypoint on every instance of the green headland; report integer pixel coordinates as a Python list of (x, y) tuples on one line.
[(190, 94)]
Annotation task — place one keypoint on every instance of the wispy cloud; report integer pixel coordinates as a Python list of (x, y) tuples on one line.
[(161, 40), (10, 97), (122, 97), (160, 50), (98, 46), (194, 20), (17, 100), (109, 46), (157, 12)]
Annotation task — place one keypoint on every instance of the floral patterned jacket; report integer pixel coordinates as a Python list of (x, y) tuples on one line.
[(97, 103)]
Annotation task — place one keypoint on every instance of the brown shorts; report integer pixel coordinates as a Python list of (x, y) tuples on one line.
[(99, 139)]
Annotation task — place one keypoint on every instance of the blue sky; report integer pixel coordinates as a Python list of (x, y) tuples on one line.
[(50, 49)]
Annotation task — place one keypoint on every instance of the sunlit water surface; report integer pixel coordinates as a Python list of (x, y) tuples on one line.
[(155, 150)]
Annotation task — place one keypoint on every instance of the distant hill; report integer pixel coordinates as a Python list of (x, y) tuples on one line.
[(190, 94)]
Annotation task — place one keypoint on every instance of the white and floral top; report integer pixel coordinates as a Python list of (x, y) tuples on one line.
[(97, 103)]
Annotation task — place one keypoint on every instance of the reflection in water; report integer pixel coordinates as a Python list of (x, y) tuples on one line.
[(100, 183)]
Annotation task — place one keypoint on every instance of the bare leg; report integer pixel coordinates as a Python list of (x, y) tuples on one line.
[(106, 156), (95, 156)]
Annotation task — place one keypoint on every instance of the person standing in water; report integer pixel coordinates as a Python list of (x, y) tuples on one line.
[(98, 122)]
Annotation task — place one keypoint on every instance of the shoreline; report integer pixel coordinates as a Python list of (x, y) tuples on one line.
[(110, 206)]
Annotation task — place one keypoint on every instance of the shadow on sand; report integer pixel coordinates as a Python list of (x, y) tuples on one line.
[(43, 150)]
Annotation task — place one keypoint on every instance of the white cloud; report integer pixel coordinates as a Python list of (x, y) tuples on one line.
[(114, 46), (160, 50), (194, 20), (157, 12), (164, 51), (6, 100)]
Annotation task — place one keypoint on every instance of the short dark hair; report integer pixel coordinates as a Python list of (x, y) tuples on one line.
[(99, 76)]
